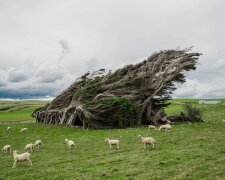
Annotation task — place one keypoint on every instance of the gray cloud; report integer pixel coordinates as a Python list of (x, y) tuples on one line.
[(64, 45), (60, 39), (193, 88), (65, 48), (44, 80), (17, 75), (92, 64)]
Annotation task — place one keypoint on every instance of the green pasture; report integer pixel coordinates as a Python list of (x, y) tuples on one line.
[(188, 151), (14, 111)]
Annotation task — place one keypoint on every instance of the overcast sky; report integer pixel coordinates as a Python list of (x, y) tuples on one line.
[(46, 44)]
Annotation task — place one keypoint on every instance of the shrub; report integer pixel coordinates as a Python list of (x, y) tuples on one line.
[(124, 104), (193, 114)]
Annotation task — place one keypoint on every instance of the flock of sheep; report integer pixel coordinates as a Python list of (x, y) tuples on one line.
[(38, 144), (24, 156)]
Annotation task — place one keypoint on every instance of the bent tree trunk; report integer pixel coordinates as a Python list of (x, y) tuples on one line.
[(130, 96)]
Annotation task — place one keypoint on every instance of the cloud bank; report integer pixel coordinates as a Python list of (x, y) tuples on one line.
[(32, 80), (45, 45)]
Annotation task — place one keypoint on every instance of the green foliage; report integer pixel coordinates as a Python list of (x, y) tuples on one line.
[(90, 88), (193, 114), (210, 112), (161, 101), (123, 104), (64, 105)]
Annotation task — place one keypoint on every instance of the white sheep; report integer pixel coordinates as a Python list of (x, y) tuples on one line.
[(29, 147), (23, 130), (8, 129), (113, 142), (151, 127), (6, 148), (38, 144), (21, 157), (147, 140), (165, 127), (70, 143)]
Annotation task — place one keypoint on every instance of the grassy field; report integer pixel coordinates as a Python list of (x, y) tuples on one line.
[(195, 151), (11, 111)]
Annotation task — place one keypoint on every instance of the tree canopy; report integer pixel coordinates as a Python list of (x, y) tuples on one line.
[(133, 95)]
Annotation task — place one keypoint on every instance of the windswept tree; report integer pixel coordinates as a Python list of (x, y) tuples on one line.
[(133, 95)]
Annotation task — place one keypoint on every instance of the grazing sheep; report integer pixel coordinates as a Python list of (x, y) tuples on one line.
[(151, 127), (6, 148), (21, 157), (70, 143), (23, 130), (8, 129), (147, 140), (113, 142), (38, 144), (29, 147), (165, 127)]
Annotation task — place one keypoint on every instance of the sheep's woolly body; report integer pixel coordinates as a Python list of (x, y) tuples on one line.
[(6, 148), (38, 144), (23, 130), (165, 127), (147, 140), (151, 127), (70, 143), (21, 157), (29, 147), (113, 142), (8, 129)]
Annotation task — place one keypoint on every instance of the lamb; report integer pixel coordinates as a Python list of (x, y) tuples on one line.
[(6, 148), (151, 127), (38, 144), (113, 142), (29, 147), (8, 129), (147, 140), (23, 130), (70, 143), (21, 157), (165, 127)]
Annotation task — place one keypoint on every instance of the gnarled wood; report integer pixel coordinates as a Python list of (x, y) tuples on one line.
[(133, 95)]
